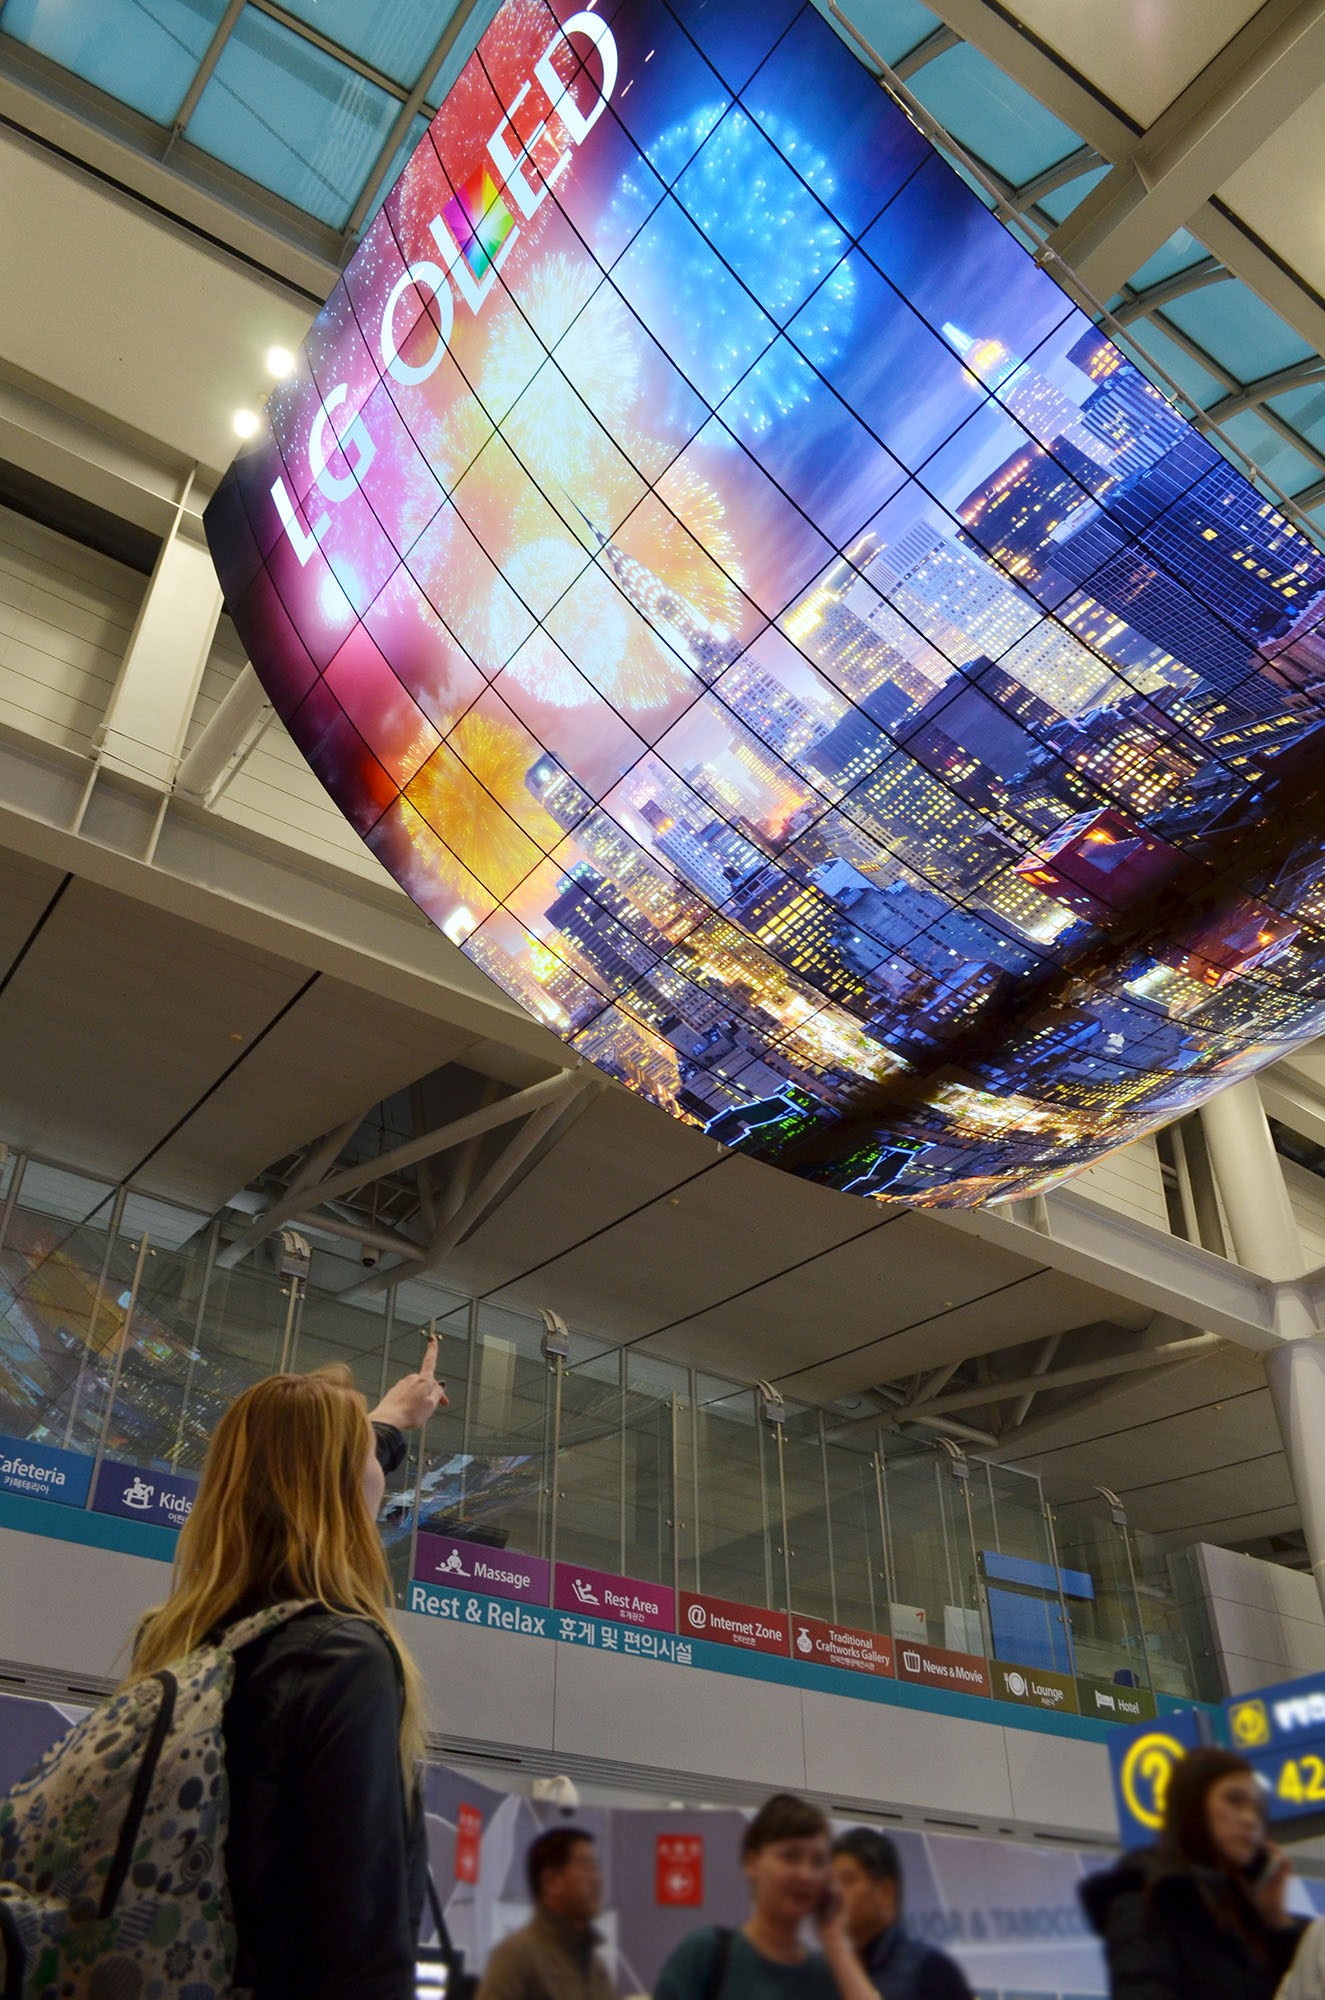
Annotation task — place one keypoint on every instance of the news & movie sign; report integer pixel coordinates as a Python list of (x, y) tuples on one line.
[(472, 1566), (605, 1595), (723, 1623), (935, 1666), (822, 1644)]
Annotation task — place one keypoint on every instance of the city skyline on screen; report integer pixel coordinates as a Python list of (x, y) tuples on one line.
[(774, 633)]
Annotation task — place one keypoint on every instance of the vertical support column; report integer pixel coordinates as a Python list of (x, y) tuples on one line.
[(1251, 1182), (142, 733), (1296, 1374)]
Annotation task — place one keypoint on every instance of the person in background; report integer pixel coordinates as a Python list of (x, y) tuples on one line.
[(785, 1856), (555, 1956), (1201, 1916), (869, 1875)]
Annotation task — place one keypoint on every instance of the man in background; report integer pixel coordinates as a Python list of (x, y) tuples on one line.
[(555, 1956), (869, 1876)]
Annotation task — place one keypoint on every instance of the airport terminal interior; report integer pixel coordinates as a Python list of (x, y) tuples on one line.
[(657, 681)]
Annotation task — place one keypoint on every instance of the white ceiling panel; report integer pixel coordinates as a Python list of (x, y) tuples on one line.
[(1140, 53)]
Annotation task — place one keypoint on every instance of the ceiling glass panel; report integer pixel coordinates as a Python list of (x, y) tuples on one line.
[(1238, 330), (1060, 201), (411, 139), (1145, 340), (891, 27), (1304, 409), (1178, 254), (992, 116), (144, 52), (397, 39), (292, 118), (1289, 469)]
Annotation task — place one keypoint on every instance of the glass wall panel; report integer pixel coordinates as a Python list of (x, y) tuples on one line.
[(1107, 1628), (52, 1325), (934, 1569), (507, 1476), (588, 1472), (809, 1539), (859, 1569), (656, 1416), (1027, 1622), (159, 1417), (728, 1549)]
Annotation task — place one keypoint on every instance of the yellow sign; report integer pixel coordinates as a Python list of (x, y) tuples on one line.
[(1144, 1778), (1249, 1723)]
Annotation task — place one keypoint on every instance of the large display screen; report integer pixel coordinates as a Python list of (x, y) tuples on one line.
[(773, 633)]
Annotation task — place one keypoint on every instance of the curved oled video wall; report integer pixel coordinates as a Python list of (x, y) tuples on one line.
[(773, 633)]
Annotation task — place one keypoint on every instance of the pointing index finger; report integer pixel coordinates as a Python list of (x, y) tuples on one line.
[(428, 1365)]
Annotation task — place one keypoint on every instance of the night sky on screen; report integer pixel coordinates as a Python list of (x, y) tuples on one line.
[(774, 634)]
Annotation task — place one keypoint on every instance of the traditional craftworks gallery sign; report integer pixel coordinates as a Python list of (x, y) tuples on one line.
[(823, 1644)]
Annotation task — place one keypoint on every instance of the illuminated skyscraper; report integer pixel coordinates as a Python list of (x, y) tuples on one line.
[(706, 647), (1247, 573)]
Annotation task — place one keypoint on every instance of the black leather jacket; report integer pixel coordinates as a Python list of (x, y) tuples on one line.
[(326, 1856)]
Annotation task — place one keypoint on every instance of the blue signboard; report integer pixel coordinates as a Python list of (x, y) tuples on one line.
[(1280, 1730), (1141, 1760), (44, 1471), (141, 1493)]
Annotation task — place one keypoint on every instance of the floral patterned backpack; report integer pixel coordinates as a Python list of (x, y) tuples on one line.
[(112, 1853)]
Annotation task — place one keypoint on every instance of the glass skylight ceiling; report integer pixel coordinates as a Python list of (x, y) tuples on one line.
[(320, 102)]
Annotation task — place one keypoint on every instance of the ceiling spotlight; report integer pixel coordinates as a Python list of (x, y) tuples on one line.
[(280, 362), (245, 423)]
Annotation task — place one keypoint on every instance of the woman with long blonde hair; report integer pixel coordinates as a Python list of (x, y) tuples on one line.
[(325, 1854)]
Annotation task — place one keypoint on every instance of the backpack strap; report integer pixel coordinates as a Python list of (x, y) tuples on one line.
[(259, 1623), (717, 1972)]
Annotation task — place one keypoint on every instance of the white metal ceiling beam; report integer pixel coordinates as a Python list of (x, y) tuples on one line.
[(229, 738), (552, 1091), (1134, 1362), (490, 1190), (1258, 81)]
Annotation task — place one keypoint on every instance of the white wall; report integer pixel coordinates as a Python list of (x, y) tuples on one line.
[(1266, 1620), (1128, 1180), (66, 1612), (65, 618)]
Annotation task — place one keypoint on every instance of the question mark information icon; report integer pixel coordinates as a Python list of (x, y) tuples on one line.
[(1142, 1759)]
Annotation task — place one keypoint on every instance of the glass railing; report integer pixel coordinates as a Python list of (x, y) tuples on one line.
[(123, 1335)]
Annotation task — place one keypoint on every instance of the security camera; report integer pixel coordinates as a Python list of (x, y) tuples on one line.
[(558, 1792), (369, 1256)]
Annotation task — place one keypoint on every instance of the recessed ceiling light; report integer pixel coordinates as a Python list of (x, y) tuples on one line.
[(280, 362), (245, 423)]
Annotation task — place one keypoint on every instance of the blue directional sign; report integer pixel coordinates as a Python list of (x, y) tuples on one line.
[(1280, 1730), (1142, 1760)]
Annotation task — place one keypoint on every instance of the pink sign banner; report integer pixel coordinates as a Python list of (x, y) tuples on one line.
[(474, 1566), (601, 1594)]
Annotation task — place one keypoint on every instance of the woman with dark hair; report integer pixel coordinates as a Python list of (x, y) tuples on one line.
[(1201, 1916), (785, 1855)]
